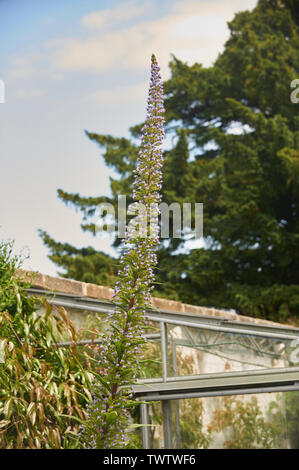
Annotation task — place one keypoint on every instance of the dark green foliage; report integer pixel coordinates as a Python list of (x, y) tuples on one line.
[(85, 264), (245, 181), (235, 149)]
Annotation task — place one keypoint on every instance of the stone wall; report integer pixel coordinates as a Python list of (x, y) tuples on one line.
[(68, 286)]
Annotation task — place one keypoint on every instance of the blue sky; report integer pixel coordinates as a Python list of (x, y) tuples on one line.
[(70, 65)]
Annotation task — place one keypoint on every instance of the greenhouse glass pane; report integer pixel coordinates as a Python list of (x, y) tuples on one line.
[(259, 421), (201, 351), (156, 430), (152, 360)]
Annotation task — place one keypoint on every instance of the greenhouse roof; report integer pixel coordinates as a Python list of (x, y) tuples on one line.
[(237, 354)]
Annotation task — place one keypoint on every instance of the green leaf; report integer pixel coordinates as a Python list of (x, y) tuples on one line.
[(111, 417), (8, 407), (81, 421), (104, 383)]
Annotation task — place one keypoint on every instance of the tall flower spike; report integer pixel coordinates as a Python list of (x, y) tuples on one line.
[(121, 348)]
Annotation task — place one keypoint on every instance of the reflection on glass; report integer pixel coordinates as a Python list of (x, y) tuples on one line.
[(152, 360), (260, 421), (199, 351), (154, 428)]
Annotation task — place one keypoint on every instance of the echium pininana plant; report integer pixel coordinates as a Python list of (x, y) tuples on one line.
[(121, 349)]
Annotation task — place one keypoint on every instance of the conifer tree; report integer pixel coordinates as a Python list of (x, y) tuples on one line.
[(235, 149)]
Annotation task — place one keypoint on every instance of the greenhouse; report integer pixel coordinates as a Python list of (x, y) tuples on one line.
[(216, 379)]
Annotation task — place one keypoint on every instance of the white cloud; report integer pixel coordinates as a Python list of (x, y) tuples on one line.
[(22, 94), (194, 31), (120, 14), (35, 64), (76, 54), (223, 8), (22, 72), (24, 66), (21, 61)]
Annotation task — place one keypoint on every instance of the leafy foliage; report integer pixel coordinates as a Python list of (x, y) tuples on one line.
[(246, 424), (43, 388), (85, 264)]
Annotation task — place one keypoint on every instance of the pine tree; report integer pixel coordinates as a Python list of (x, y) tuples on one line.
[(236, 150)]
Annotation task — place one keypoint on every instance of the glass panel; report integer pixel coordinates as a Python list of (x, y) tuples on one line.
[(259, 421), (200, 351), (156, 431), (152, 361)]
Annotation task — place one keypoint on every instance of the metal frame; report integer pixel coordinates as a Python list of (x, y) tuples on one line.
[(168, 388), (209, 385), (179, 318), (144, 428), (213, 384)]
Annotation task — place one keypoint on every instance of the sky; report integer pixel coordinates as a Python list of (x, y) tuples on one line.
[(75, 65)]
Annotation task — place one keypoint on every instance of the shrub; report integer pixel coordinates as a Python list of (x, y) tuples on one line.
[(44, 389)]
